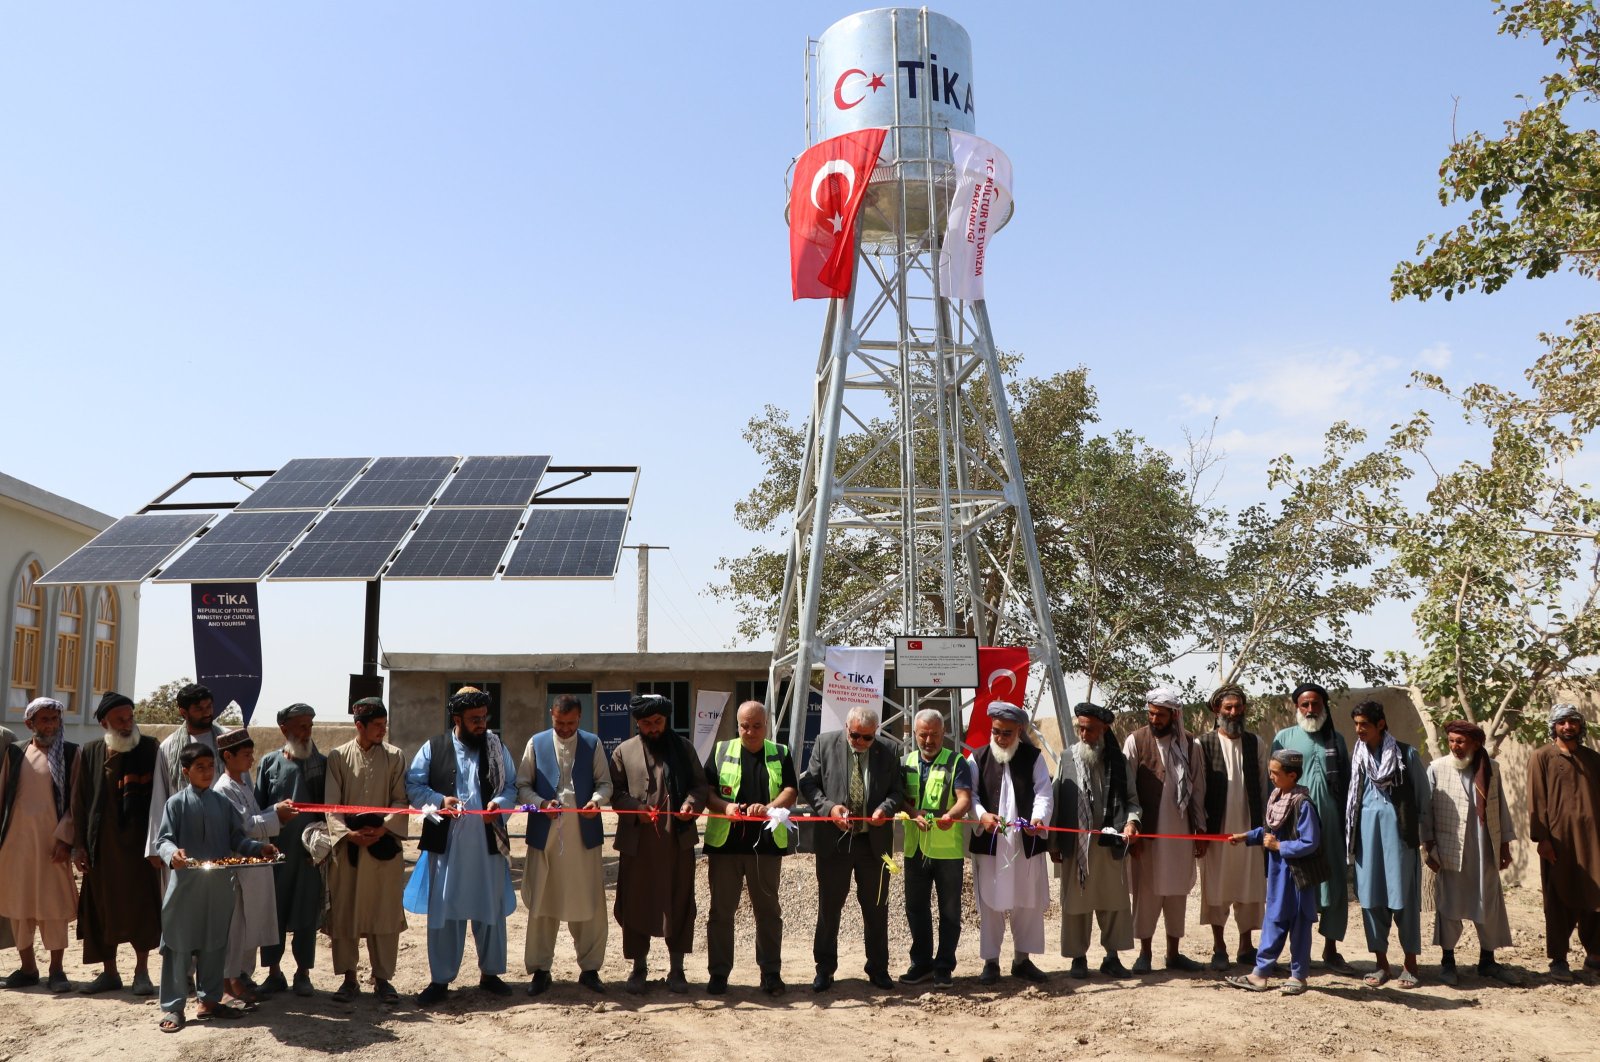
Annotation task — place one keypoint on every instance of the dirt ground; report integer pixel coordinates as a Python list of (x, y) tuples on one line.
[(1159, 1016)]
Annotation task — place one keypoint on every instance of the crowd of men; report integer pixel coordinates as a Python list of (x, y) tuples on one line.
[(1136, 825)]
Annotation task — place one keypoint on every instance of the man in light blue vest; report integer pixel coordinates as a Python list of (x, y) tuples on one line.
[(562, 876), (747, 777), (938, 794)]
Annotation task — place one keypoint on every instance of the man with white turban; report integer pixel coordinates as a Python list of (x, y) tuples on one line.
[(1011, 800), (1169, 778), (36, 889)]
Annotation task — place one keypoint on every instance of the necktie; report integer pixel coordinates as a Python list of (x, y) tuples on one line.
[(858, 790)]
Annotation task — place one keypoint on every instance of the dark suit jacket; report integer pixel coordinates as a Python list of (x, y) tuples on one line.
[(826, 783)]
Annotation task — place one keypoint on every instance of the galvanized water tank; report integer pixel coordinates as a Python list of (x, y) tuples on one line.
[(909, 70)]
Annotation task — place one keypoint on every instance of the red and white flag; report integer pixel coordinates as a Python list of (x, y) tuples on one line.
[(981, 202), (830, 184), (1002, 676)]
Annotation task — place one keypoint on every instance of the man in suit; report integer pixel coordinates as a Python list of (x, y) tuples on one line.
[(854, 774)]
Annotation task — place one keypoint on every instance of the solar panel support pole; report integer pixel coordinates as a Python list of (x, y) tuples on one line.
[(369, 631)]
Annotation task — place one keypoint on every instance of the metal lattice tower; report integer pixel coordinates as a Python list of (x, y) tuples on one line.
[(911, 449)]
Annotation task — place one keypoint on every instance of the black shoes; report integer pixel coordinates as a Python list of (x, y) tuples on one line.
[(1112, 966), (717, 985), (990, 974), (493, 985), (881, 980), (773, 985), (822, 982), (1080, 969), (942, 979), (1025, 969), (540, 983), (916, 975), (1184, 963), (434, 993), (273, 983), (590, 979)]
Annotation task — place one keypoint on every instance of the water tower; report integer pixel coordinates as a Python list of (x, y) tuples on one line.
[(910, 448)]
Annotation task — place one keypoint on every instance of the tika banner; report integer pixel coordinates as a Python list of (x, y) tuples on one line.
[(851, 678), (613, 721), (830, 184), (982, 199), (1002, 676), (708, 708), (227, 644)]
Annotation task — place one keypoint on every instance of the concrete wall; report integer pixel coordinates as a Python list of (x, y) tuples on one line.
[(36, 526)]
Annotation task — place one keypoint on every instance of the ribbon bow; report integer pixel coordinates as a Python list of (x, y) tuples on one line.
[(777, 817)]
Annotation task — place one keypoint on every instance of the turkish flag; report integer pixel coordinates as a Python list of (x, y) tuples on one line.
[(830, 184), (1002, 676)]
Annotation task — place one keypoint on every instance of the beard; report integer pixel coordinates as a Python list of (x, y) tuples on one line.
[(300, 750), (1231, 727), (658, 744), (1161, 731), (471, 740), (1002, 756), (1088, 753), (1459, 763), (123, 742), (1310, 723)]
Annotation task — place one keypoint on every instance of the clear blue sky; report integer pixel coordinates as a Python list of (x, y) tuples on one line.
[(233, 234)]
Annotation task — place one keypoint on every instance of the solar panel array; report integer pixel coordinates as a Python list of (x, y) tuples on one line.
[(569, 544), (129, 550), (362, 519)]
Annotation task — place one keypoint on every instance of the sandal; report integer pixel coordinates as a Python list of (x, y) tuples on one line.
[(1293, 987), (1376, 979), (171, 1021), (1243, 981), (386, 993), (222, 1011), (1407, 979), (345, 992)]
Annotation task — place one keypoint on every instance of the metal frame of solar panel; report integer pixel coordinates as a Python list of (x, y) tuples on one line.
[(397, 483), (347, 544), (127, 551), (241, 548), (457, 544), (569, 544), (483, 482), (304, 483)]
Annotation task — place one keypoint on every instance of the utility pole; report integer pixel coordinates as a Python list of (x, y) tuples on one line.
[(643, 642)]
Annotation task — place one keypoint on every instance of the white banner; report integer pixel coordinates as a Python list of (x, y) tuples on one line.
[(708, 708), (982, 200), (851, 678)]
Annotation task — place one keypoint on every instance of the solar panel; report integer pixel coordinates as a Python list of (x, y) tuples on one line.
[(457, 544), (129, 550), (569, 544), (240, 548), (397, 483), (348, 544), (304, 483), (486, 481)]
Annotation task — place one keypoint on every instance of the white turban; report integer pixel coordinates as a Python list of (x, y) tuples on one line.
[(38, 703), (1165, 696)]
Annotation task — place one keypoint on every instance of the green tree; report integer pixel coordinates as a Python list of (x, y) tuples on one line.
[(161, 704), (1504, 549)]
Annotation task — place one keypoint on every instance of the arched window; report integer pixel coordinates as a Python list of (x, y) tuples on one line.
[(105, 641), (27, 619), (69, 647)]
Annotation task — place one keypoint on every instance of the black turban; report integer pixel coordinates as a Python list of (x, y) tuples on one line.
[(111, 700), (1312, 687), (648, 704), (468, 697), (1094, 711)]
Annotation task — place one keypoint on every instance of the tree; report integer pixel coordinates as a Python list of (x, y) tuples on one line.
[(1505, 550), (161, 705)]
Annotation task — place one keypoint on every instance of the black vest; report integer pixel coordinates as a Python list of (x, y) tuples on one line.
[(13, 754), (1065, 815), (988, 783), (1217, 779), (97, 789), (442, 779), (1310, 870)]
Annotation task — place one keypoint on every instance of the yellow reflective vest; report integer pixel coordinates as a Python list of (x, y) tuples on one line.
[(727, 759), (935, 799)]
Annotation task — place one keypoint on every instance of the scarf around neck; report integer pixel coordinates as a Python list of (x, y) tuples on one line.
[(1384, 769)]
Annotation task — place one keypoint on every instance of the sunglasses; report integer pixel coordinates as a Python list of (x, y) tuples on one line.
[(854, 736)]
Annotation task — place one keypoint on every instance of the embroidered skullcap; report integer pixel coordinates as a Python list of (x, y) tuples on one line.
[(1289, 759), (40, 703), (294, 711), (368, 708), (1007, 712), (234, 739), (110, 701)]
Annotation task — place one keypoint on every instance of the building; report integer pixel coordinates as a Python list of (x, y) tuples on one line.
[(72, 643)]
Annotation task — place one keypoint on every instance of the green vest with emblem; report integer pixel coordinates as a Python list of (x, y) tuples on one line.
[(934, 800), (728, 779)]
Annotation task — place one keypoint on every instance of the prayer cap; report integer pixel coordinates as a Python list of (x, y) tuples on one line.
[(468, 697), (1470, 730), (1007, 712), (293, 711), (648, 704), (234, 739), (110, 701), (1311, 687), (368, 708), (38, 704), (1094, 711), (1165, 696), (1289, 759), (193, 694)]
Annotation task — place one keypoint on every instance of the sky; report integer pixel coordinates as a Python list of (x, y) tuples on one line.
[(235, 234)]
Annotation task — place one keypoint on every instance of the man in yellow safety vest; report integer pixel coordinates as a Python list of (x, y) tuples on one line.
[(747, 777), (938, 794)]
